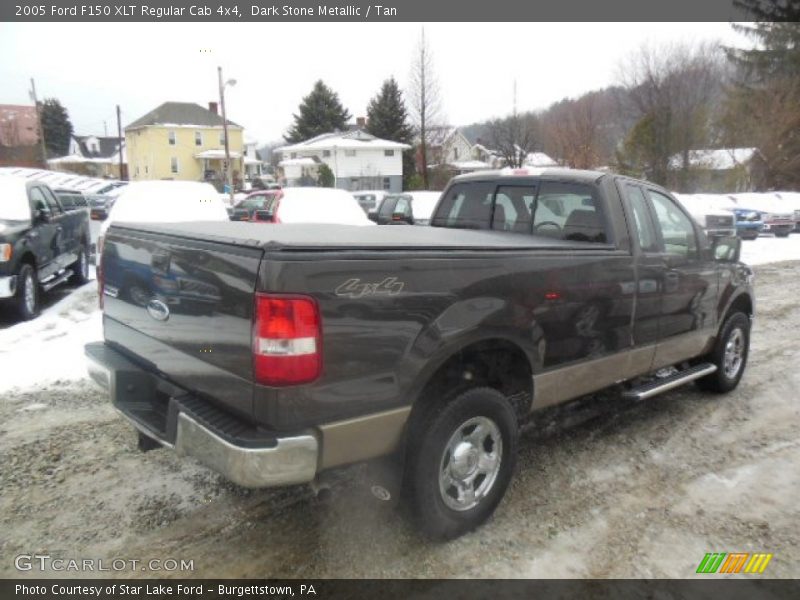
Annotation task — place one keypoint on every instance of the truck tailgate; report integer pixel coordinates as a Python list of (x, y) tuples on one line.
[(183, 307)]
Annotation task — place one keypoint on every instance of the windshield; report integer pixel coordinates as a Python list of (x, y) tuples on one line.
[(14, 200)]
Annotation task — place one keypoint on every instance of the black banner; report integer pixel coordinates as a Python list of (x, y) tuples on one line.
[(374, 11), (462, 589)]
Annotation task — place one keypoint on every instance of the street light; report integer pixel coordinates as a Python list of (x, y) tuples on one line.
[(222, 86)]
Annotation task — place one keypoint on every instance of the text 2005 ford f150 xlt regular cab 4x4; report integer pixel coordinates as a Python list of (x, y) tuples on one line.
[(276, 353)]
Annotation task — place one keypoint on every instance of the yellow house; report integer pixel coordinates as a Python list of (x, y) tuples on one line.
[(183, 140)]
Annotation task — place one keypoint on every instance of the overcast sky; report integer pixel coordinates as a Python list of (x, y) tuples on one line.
[(92, 67)]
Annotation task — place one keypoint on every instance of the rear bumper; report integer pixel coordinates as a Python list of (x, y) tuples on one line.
[(8, 286), (244, 454)]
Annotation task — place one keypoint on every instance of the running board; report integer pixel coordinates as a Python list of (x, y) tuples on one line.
[(50, 284), (653, 388)]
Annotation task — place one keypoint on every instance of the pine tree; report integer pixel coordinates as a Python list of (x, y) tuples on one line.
[(387, 118), (777, 34), (56, 125), (320, 112)]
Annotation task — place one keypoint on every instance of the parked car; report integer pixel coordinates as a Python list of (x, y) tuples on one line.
[(408, 208), (42, 244), (419, 350), (791, 200), (714, 220), (300, 205), (369, 200), (777, 217), (71, 199), (99, 207)]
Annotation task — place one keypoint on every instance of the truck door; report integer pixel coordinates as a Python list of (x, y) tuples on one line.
[(65, 243), (689, 282), (43, 236)]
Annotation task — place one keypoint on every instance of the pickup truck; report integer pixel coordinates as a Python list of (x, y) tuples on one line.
[(42, 243), (418, 350)]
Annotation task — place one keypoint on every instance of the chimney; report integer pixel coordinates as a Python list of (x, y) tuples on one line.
[(212, 106), (361, 122)]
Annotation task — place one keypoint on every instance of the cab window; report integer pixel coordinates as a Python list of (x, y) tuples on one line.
[(466, 206), (38, 201), (570, 211), (677, 231), (645, 232), (513, 206)]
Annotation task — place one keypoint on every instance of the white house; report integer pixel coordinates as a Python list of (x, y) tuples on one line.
[(358, 160)]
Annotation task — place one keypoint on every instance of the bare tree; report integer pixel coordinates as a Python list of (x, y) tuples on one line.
[(514, 137), (574, 129), (424, 99), (670, 91)]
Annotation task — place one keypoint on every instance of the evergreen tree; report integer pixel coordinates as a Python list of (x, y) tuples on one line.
[(56, 125), (777, 34), (325, 176), (320, 112), (388, 119)]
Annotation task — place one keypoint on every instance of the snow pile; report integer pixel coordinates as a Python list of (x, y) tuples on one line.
[(50, 348), (768, 249)]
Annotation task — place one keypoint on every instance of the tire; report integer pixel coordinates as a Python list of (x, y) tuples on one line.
[(782, 234), (446, 455), (80, 268), (26, 299), (735, 333)]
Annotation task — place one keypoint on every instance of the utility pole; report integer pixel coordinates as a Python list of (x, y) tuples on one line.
[(39, 122), (122, 174), (225, 130)]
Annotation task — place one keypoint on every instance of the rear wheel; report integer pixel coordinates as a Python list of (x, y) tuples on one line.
[(26, 299), (462, 455), (729, 355)]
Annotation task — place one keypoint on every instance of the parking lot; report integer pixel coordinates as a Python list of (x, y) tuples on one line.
[(604, 487)]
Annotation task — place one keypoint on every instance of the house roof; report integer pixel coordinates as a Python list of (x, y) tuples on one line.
[(347, 140), (539, 159), (180, 114), (18, 125), (106, 146), (719, 159)]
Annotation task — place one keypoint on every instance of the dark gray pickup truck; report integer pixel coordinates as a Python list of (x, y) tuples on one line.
[(42, 244), (276, 353)]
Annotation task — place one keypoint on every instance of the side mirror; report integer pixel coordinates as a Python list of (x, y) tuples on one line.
[(727, 249), (42, 215)]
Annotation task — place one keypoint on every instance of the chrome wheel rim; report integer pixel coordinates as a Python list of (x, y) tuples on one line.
[(734, 354), (470, 463), (30, 294)]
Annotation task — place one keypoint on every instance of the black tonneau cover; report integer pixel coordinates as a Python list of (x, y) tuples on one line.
[(309, 236)]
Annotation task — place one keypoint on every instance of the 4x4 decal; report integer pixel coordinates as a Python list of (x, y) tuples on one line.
[(355, 288)]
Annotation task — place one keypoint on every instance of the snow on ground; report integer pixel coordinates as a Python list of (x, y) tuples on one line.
[(50, 348), (769, 249)]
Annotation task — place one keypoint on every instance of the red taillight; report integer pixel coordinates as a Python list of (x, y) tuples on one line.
[(287, 340)]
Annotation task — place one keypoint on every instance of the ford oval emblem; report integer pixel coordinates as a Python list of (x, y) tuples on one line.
[(158, 310)]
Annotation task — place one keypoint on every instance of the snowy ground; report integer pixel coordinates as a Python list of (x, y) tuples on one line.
[(603, 487)]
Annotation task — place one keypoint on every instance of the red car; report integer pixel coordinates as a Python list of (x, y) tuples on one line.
[(300, 205)]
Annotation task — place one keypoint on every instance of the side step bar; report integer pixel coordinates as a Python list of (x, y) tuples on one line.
[(58, 279), (653, 388)]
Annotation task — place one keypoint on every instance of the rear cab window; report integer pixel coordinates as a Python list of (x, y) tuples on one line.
[(572, 211)]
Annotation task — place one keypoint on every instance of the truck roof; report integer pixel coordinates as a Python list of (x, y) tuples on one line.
[(309, 236), (560, 173)]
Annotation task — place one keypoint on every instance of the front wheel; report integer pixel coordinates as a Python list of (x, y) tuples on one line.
[(462, 455), (729, 355), (80, 270), (27, 296)]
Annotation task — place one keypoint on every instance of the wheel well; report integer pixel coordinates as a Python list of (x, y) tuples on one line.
[(742, 303), (498, 364), (27, 258)]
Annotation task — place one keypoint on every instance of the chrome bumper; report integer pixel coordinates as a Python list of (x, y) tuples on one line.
[(290, 460), (8, 286)]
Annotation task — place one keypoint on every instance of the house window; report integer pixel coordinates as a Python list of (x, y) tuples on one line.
[(326, 153), (388, 152), (349, 152), (386, 183), (293, 155), (455, 153), (137, 171), (173, 164), (146, 169), (172, 141), (198, 138), (222, 138)]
